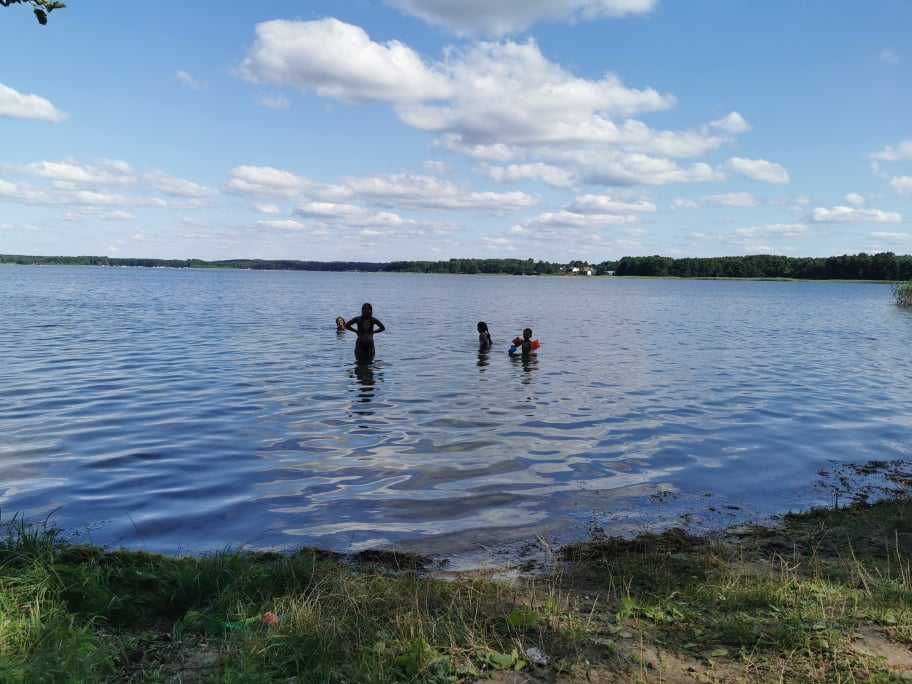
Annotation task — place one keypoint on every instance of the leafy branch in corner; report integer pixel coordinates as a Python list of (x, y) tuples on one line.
[(42, 8)]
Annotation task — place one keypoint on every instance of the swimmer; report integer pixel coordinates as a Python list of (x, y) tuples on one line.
[(484, 336), (366, 326)]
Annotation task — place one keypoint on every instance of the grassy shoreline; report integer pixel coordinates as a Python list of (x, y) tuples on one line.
[(824, 596)]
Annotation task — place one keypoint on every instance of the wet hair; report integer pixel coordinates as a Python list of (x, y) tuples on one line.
[(482, 327), (366, 307), (527, 333)]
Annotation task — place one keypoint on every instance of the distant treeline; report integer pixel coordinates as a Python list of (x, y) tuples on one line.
[(473, 266), (885, 266), (253, 264)]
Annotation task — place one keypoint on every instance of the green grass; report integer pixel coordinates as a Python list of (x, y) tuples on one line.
[(903, 293), (786, 603)]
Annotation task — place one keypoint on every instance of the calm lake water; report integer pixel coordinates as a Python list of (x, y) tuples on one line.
[(182, 411)]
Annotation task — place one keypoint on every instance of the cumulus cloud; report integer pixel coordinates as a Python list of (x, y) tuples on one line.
[(854, 199), (902, 185), (733, 124), (494, 102), (30, 195), (641, 169), (759, 170), (509, 16), (900, 152), (16, 105), (842, 214), (427, 192), (781, 230), (268, 209), (340, 60), (282, 224), (187, 79), (731, 199), (260, 181), (572, 219), (70, 172), (404, 190), (605, 204), (538, 171), (684, 203), (177, 187)]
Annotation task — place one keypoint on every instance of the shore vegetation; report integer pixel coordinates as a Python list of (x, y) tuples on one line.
[(822, 596)]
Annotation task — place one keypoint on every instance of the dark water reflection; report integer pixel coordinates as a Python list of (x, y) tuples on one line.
[(189, 410)]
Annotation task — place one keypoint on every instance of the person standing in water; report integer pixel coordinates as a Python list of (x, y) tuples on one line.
[(365, 326), (524, 345), (484, 336)]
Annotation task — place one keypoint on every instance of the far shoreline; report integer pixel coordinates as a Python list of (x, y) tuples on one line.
[(203, 269)]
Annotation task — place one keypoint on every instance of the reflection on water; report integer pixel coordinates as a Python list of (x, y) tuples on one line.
[(185, 410)]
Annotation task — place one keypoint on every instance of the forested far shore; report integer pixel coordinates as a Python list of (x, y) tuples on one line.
[(885, 266)]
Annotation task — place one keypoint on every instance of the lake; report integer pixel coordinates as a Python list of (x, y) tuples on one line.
[(185, 411)]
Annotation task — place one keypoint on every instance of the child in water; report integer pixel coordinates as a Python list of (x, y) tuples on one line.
[(484, 336), (526, 345), (340, 324), (364, 326)]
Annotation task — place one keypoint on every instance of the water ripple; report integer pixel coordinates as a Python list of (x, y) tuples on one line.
[(191, 410)]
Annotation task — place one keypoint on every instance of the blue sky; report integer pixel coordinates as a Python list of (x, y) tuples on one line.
[(383, 129)]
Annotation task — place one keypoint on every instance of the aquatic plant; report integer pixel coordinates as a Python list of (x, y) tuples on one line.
[(903, 294)]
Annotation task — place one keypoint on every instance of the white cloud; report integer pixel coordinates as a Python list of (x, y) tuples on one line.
[(509, 16), (642, 169), (16, 105), (782, 230), (842, 214), (854, 199), (572, 219), (546, 173), (902, 185), (683, 203), (349, 214), (891, 237), (118, 216), (70, 195), (340, 60), (400, 190), (427, 192), (759, 170), (187, 79), (731, 199), (177, 187), (74, 173), (269, 209), (277, 102), (888, 56), (733, 124), (899, 152), (282, 224), (435, 167), (496, 102), (260, 181), (605, 204)]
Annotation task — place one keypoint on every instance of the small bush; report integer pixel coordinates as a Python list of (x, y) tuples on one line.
[(903, 294)]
